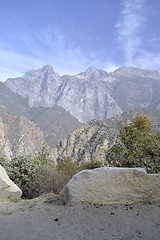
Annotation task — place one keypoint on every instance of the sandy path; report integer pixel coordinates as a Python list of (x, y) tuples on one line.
[(40, 220)]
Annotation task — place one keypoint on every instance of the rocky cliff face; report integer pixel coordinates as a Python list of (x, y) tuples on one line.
[(136, 88), (91, 94), (92, 140), (18, 135), (87, 143), (54, 122)]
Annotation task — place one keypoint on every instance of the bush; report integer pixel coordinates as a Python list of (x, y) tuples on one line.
[(137, 146), (23, 170), (142, 123), (67, 166), (4, 162), (35, 174), (50, 180)]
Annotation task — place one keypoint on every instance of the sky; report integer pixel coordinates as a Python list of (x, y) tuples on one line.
[(72, 35)]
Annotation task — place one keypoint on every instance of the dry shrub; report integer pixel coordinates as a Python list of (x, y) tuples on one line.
[(35, 174), (50, 180), (67, 166), (91, 165)]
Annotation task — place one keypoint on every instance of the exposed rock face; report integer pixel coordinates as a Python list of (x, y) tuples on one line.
[(54, 122), (7, 188), (91, 94), (18, 135), (92, 140), (87, 143), (112, 185)]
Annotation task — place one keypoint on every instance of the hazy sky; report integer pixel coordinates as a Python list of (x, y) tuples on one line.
[(72, 35)]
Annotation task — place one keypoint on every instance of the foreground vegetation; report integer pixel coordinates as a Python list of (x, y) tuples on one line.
[(36, 174), (136, 146)]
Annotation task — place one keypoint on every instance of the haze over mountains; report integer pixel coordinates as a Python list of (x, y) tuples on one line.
[(91, 94), (43, 105)]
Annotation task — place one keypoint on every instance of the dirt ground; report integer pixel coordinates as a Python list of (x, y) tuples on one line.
[(47, 218)]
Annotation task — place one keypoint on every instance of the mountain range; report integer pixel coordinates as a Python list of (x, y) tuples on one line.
[(79, 115), (91, 94)]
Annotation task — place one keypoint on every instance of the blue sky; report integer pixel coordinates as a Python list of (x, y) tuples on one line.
[(72, 35)]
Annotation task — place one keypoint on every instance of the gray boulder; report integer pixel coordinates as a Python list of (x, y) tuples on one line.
[(7, 188), (109, 185)]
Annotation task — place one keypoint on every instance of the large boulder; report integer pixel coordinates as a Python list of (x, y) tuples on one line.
[(7, 188), (109, 185)]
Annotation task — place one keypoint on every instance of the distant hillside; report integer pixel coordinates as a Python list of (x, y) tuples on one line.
[(13, 102), (18, 135), (54, 122)]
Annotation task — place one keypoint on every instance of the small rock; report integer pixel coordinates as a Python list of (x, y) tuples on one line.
[(112, 213)]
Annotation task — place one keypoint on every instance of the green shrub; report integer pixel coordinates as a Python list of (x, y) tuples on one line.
[(26, 170), (35, 174), (43, 155), (137, 146), (4, 162), (23, 171)]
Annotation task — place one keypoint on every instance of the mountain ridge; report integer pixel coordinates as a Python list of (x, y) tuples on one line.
[(90, 94), (54, 123)]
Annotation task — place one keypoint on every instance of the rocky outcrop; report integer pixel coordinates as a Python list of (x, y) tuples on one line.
[(87, 143), (18, 135), (112, 185), (91, 94), (7, 188)]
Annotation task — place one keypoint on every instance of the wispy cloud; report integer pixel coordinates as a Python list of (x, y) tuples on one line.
[(129, 28), (62, 52), (50, 46), (13, 64), (21, 51), (6, 73), (148, 60), (131, 36), (110, 66)]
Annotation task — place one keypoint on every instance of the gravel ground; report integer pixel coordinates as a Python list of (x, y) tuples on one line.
[(47, 218)]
